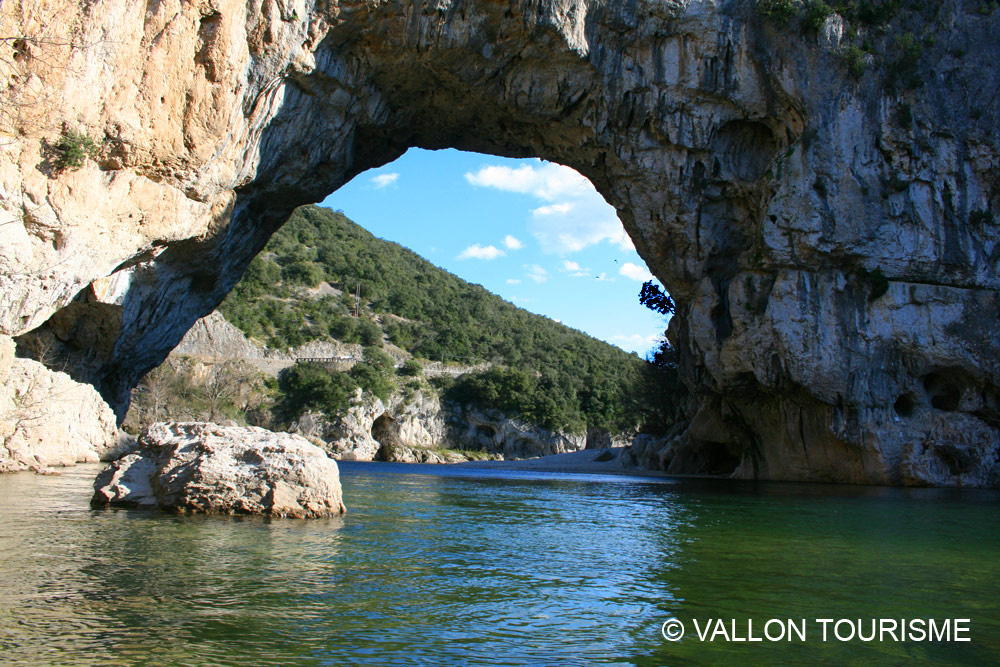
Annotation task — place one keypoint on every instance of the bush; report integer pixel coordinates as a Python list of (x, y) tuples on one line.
[(378, 358), (854, 57), (73, 150), (411, 368), (779, 11), (373, 380), (816, 14), (304, 273), (904, 69), (369, 333), (310, 386)]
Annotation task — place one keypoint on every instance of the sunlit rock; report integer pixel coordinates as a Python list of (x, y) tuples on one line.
[(201, 467)]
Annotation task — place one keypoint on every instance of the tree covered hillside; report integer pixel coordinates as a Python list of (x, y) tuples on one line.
[(555, 376)]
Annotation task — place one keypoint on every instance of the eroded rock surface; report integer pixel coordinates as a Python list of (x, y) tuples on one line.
[(203, 467), (408, 426), (829, 236), (47, 419)]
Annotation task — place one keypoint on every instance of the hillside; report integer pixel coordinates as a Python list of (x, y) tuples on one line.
[(302, 288)]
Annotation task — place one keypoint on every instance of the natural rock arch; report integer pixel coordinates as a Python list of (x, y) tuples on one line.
[(826, 261)]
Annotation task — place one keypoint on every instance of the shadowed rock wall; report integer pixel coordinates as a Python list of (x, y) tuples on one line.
[(828, 237)]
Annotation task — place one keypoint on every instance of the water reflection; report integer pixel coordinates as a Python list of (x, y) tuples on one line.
[(458, 568)]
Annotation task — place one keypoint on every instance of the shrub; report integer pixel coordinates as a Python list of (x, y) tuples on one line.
[(369, 333), (73, 150), (378, 358), (816, 13), (903, 70), (779, 11), (309, 386), (854, 57), (905, 116), (879, 284), (411, 368), (373, 380)]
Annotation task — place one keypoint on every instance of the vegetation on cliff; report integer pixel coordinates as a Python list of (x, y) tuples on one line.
[(322, 277)]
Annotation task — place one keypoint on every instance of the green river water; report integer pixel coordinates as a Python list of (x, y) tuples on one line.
[(437, 565)]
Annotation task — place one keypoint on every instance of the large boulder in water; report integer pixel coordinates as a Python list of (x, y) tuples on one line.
[(204, 467)]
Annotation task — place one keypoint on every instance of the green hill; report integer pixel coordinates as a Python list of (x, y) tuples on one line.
[(551, 374)]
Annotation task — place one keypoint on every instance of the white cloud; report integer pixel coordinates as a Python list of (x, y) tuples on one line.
[(477, 251), (537, 273), (574, 269), (603, 277), (553, 209), (574, 215), (513, 281), (547, 181), (635, 272), (512, 242), (384, 180), (636, 342)]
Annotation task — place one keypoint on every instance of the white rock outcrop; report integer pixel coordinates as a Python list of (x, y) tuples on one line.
[(202, 467), (47, 419)]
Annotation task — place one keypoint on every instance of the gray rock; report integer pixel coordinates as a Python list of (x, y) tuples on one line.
[(203, 467)]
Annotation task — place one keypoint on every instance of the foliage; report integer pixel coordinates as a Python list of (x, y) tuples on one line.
[(576, 380), (816, 13), (185, 389), (854, 57), (780, 11), (905, 116), (539, 399), (879, 284), (662, 394), (311, 386), (411, 368), (73, 150), (655, 299), (903, 69)]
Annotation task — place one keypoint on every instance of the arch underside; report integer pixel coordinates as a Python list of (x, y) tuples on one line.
[(751, 173)]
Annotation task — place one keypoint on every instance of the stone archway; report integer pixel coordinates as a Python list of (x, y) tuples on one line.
[(825, 260)]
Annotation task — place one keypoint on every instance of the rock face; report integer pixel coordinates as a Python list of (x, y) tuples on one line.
[(47, 419), (824, 219), (203, 467), (495, 433), (405, 428)]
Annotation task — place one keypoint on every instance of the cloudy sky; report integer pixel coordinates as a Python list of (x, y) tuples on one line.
[(534, 232)]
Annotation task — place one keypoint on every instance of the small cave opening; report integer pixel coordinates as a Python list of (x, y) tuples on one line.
[(485, 435), (945, 388), (905, 405), (719, 458), (385, 432)]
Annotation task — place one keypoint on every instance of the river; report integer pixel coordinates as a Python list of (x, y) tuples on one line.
[(437, 565)]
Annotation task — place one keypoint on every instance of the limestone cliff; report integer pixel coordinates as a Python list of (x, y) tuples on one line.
[(413, 426), (824, 218)]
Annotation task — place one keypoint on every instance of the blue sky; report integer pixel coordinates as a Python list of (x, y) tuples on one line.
[(534, 232)]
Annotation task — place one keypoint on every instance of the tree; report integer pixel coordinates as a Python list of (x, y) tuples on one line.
[(655, 299), (226, 382), (153, 393)]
